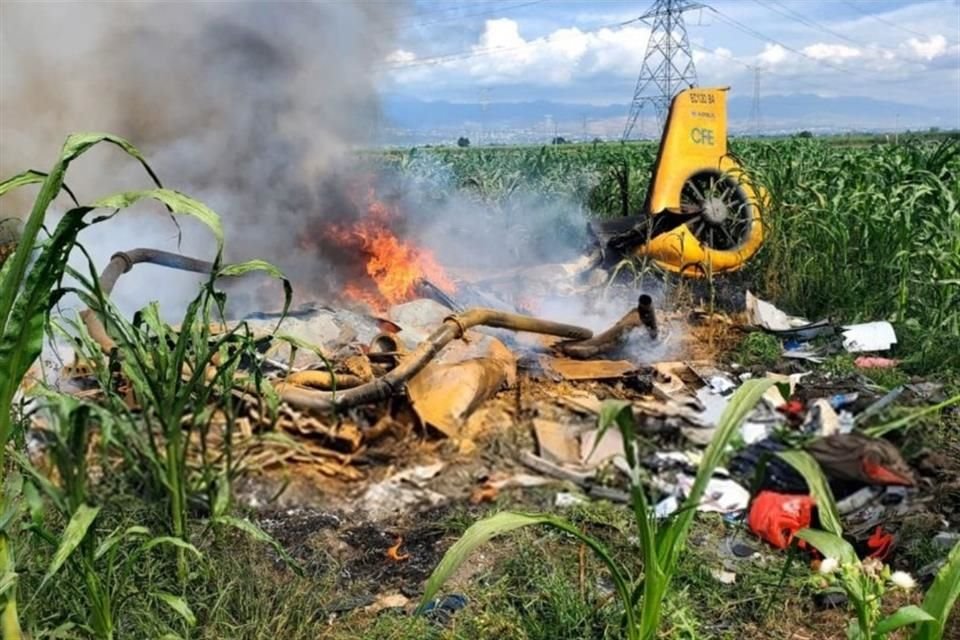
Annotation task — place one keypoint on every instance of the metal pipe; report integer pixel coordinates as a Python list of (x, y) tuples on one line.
[(452, 328), (324, 380), (120, 263), (613, 339), (647, 314)]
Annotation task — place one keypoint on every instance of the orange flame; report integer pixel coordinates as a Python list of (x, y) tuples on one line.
[(394, 266)]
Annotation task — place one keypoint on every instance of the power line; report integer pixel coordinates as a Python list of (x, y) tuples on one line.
[(474, 53), (793, 15), (756, 34), (884, 21)]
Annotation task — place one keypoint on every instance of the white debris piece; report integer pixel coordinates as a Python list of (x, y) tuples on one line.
[(766, 316), (754, 431), (869, 336), (666, 506), (721, 496), (565, 500)]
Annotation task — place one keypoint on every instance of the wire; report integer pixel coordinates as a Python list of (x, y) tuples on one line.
[(756, 34), (884, 21), (463, 55), (793, 15)]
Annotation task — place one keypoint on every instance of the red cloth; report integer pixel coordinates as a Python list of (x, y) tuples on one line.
[(776, 517), (880, 543), (794, 411)]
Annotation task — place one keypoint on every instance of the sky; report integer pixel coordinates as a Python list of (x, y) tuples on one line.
[(592, 52)]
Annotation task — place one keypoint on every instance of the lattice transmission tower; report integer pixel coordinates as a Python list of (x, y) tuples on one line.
[(668, 62)]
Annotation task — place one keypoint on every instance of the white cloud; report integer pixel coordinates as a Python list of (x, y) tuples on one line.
[(401, 56), (928, 50), (822, 51), (772, 54), (503, 56), (601, 65)]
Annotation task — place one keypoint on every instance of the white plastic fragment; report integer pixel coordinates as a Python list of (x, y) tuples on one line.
[(565, 500), (869, 336), (763, 314)]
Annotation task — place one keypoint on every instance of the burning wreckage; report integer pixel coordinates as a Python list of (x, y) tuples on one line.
[(420, 362), (408, 363)]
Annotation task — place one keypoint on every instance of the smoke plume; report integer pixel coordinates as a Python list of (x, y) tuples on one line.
[(245, 106)]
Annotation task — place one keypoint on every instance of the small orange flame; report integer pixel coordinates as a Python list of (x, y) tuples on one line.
[(394, 266)]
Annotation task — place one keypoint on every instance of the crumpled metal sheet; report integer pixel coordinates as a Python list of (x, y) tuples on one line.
[(587, 369), (459, 380)]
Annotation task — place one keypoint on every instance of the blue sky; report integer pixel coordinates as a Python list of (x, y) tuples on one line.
[(573, 51)]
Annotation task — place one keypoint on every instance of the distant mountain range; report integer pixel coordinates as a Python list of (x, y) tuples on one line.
[(425, 120)]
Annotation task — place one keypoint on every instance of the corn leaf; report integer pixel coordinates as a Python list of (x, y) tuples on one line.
[(7, 581), (72, 536), (179, 605), (260, 535), (75, 145), (118, 536), (12, 487), (20, 180), (907, 420), (902, 617), (830, 545), (941, 597), (250, 266), (175, 201), (741, 403), (484, 530), (174, 542), (807, 466), (39, 480)]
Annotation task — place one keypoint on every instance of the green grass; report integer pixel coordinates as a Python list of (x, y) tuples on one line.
[(758, 348)]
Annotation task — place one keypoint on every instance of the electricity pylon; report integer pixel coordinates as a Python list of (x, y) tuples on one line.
[(668, 62)]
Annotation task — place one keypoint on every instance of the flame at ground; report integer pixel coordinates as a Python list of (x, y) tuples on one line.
[(394, 266)]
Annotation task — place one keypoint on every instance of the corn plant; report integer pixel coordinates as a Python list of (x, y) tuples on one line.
[(866, 582), (181, 381), (28, 289), (30, 286), (108, 574), (661, 544)]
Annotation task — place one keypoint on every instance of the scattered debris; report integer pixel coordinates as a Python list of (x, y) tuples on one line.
[(386, 602), (402, 492), (821, 419), (766, 316), (869, 336), (776, 517), (723, 576), (877, 407), (565, 500), (557, 442), (875, 362), (946, 539), (587, 369), (440, 611)]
